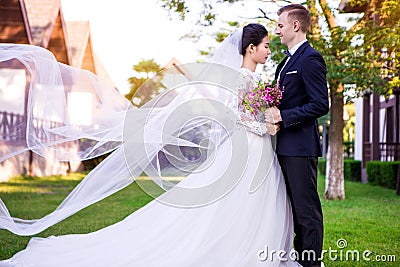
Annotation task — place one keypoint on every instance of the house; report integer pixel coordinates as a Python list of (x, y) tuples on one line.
[(40, 23), (377, 129)]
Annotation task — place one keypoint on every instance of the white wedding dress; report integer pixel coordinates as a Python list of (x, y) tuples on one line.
[(231, 209), (245, 227)]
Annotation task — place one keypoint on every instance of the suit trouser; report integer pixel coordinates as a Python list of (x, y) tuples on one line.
[(301, 183)]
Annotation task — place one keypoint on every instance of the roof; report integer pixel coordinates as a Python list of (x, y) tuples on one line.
[(79, 44), (41, 23), (14, 26), (47, 26)]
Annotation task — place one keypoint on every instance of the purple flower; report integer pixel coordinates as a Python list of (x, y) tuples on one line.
[(263, 95)]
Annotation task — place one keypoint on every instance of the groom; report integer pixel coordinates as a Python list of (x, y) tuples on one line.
[(302, 74)]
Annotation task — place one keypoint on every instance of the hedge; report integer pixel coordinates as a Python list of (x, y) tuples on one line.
[(322, 166), (383, 173), (90, 164), (352, 169)]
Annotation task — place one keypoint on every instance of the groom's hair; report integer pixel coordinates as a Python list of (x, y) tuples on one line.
[(298, 12)]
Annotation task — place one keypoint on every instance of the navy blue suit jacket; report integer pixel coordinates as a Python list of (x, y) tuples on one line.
[(304, 100)]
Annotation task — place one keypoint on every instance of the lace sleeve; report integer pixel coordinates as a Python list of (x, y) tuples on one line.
[(252, 122)]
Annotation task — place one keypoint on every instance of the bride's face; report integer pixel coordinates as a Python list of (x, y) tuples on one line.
[(262, 51)]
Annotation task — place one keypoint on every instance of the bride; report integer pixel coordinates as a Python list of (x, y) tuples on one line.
[(231, 209)]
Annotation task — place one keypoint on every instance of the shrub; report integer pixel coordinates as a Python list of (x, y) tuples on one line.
[(322, 166), (352, 169), (382, 173), (90, 164)]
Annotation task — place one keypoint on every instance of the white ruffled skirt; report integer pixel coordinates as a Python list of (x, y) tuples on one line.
[(242, 228)]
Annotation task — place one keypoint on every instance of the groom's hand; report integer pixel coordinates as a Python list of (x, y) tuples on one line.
[(272, 129), (272, 115)]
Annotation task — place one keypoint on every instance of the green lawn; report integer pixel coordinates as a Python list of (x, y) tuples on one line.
[(369, 218)]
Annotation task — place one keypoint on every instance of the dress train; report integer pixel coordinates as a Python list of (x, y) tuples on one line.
[(242, 228)]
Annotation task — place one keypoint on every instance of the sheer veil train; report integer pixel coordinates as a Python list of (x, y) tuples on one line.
[(230, 210)]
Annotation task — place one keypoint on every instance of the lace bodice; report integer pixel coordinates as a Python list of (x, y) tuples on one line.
[(253, 123)]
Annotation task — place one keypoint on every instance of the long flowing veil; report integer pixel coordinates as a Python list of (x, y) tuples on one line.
[(173, 125)]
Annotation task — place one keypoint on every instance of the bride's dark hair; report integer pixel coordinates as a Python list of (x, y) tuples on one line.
[(253, 33)]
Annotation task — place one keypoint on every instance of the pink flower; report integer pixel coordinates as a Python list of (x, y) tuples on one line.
[(262, 96)]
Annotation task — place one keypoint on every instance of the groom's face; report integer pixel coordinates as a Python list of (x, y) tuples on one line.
[(285, 29)]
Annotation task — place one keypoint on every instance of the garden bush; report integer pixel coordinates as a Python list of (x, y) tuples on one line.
[(383, 173), (352, 169)]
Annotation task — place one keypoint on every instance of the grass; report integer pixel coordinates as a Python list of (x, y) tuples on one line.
[(369, 218), (33, 197)]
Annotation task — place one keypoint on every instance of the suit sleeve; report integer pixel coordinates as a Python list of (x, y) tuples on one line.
[(314, 77)]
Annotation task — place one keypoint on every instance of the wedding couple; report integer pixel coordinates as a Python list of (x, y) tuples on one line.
[(247, 225)]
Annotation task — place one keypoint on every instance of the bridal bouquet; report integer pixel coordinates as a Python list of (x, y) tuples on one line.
[(264, 95)]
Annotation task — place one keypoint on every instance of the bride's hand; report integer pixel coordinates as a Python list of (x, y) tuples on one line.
[(272, 129), (272, 115)]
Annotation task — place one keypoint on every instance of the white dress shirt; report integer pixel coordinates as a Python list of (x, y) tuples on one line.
[(291, 51)]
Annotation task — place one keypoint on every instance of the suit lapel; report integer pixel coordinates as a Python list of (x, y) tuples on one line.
[(293, 59), (279, 67)]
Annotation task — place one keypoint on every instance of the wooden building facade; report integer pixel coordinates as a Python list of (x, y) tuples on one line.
[(377, 135), (40, 23)]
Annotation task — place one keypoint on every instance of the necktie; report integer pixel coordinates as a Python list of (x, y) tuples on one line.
[(286, 52)]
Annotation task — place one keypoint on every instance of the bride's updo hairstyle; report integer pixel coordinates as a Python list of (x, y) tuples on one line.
[(253, 33)]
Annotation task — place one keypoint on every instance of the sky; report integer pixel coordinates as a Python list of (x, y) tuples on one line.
[(126, 31)]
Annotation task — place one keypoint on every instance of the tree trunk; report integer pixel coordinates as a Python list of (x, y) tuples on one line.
[(334, 187), (315, 31), (326, 11)]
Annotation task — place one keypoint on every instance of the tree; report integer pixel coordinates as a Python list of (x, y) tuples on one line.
[(143, 67), (182, 7), (350, 63), (147, 66), (353, 56)]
